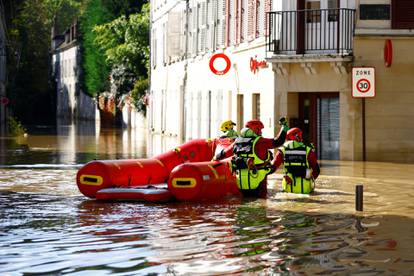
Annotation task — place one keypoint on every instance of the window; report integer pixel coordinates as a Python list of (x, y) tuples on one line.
[(333, 10), (402, 14), (314, 13), (154, 48), (259, 17), (240, 111), (256, 106)]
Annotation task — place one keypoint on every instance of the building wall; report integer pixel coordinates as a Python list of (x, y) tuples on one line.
[(389, 116), (323, 79), (188, 101), (208, 99), (72, 103)]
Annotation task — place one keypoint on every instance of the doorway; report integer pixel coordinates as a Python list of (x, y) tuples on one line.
[(319, 121), (317, 26)]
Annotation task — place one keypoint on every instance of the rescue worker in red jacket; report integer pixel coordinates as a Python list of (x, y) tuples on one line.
[(251, 160), (301, 167)]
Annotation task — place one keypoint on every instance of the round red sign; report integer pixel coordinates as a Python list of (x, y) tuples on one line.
[(226, 59), (363, 85)]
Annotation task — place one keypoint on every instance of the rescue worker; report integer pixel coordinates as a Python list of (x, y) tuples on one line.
[(251, 160), (227, 130), (301, 167), (225, 139)]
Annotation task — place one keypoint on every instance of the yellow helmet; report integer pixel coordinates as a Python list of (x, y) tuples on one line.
[(227, 125)]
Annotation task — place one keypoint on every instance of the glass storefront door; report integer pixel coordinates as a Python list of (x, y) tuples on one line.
[(319, 121)]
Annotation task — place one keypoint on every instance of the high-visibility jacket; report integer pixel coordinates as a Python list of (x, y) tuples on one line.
[(296, 166), (250, 169)]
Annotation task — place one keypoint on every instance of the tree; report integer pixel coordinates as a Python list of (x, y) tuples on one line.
[(29, 23), (125, 41), (95, 69)]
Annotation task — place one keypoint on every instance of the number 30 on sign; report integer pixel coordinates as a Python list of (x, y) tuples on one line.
[(363, 82)]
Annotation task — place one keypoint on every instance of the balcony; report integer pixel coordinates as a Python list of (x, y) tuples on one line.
[(310, 33)]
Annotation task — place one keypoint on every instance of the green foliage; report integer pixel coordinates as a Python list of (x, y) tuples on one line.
[(95, 69), (139, 95), (96, 64), (125, 41), (29, 23), (15, 128)]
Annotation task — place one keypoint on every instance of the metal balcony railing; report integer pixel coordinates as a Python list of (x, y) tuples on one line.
[(325, 31)]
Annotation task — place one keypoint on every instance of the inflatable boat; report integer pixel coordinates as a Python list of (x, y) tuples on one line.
[(184, 173)]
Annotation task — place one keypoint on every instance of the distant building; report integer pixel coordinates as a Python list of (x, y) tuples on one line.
[(289, 57), (72, 103)]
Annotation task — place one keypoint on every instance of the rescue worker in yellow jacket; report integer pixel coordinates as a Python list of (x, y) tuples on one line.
[(252, 157), (301, 167)]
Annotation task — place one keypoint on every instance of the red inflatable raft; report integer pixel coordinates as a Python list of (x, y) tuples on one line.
[(187, 169)]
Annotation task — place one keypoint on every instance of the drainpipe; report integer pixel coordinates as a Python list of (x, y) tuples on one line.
[(183, 115), (149, 118)]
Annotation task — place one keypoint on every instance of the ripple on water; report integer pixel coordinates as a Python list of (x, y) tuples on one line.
[(55, 234)]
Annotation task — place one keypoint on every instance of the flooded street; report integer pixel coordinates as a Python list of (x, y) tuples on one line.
[(48, 228)]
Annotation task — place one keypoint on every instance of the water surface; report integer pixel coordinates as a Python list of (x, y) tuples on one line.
[(48, 228)]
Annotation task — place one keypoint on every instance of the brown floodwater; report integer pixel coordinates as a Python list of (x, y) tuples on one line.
[(48, 228)]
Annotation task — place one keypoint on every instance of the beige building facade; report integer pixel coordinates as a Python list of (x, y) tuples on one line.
[(314, 84)]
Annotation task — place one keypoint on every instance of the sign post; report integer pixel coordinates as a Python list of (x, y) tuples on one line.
[(363, 86)]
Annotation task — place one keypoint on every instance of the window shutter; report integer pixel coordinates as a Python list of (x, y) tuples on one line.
[(259, 18), (238, 20), (173, 35), (244, 19), (164, 43), (195, 29), (199, 26), (402, 14), (267, 9), (203, 26), (210, 25), (232, 21), (221, 23), (251, 19)]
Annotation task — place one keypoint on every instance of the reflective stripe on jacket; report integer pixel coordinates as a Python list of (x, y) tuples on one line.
[(296, 166), (250, 169)]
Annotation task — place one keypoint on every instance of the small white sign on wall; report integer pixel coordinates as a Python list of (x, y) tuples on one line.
[(363, 82)]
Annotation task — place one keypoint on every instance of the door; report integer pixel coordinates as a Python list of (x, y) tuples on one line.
[(318, 26), (319, 121)]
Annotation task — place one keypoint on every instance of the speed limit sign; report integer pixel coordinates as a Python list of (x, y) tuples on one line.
[(363, 82)]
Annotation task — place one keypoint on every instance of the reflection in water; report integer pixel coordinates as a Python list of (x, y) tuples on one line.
[(48, 228), (61, 235), (72, 144)]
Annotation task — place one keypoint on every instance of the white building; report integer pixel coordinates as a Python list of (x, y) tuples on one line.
[(188, 100), (72, 103)]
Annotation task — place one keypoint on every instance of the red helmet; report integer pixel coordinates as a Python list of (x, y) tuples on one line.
[(294, 134), (256, 126)]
